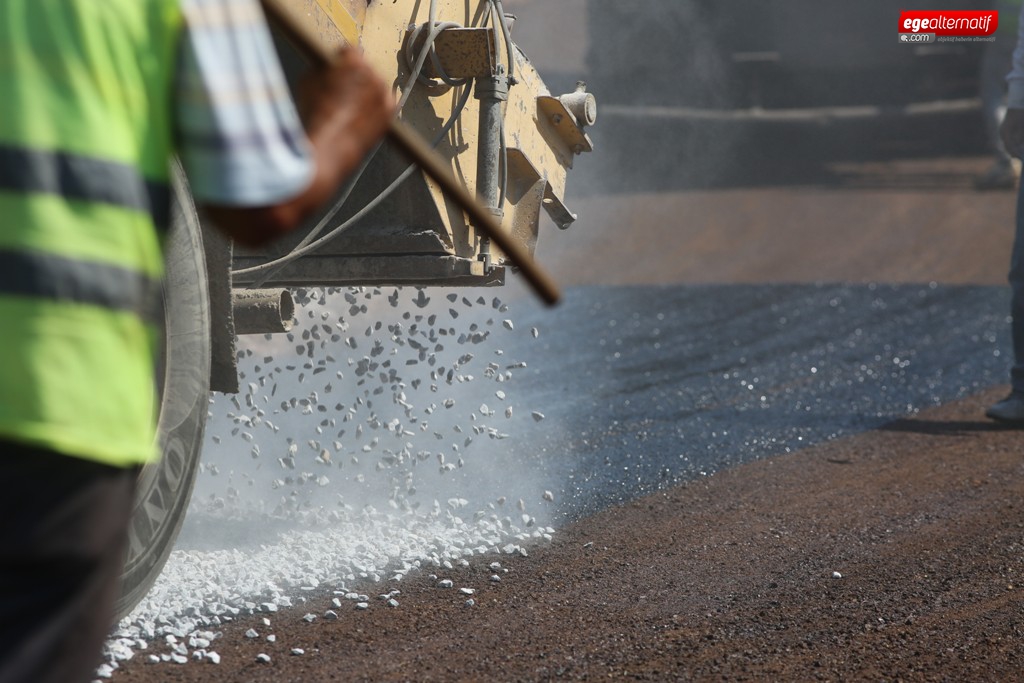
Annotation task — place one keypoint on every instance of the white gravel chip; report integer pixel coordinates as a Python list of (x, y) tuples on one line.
[(263, 658), (251, 633), (309, 618), (836, 575), (199, 643), (467, 591), (298, 652)]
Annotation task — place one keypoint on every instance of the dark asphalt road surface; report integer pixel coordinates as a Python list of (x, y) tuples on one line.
[(644, 387)]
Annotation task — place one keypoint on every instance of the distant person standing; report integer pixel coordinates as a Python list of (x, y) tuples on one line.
[(1011, 409), (995, 63)]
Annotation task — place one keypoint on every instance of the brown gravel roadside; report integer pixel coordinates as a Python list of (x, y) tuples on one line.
[(896, 221)]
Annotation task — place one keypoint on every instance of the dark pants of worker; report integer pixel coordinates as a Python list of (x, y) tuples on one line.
[(1017, 296), (63, 524)]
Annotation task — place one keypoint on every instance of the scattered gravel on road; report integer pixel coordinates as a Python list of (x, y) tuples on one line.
[(359, 401)]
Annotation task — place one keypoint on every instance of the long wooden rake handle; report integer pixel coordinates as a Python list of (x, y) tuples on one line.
[(420, 153)]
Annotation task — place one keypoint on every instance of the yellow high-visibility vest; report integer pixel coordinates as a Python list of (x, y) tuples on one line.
[(85, 145)]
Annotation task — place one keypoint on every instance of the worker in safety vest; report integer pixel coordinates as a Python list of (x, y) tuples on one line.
[(95, 97), (1011, 409)]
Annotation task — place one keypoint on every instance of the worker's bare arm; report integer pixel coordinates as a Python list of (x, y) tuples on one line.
[(345, 109)]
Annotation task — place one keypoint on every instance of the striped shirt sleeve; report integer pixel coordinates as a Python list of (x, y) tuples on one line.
[(237, 131)]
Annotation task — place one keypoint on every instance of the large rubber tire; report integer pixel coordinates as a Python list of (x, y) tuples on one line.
[(164, 487)]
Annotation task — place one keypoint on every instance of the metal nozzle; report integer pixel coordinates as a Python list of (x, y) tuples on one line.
[(259, 311)]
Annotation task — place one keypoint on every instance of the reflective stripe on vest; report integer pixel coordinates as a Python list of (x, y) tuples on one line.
[(74, 176), (85, 145), (55, 278)]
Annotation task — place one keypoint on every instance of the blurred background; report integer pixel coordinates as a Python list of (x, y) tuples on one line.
[(750, 141)]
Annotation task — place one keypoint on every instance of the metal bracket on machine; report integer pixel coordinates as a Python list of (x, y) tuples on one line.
[(569, 130), (460, 53), (521, 166)]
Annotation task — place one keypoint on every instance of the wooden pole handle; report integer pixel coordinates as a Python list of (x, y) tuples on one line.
[(420, 153)]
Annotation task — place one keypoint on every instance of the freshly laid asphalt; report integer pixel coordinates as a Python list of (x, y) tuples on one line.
[(647, 386)]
